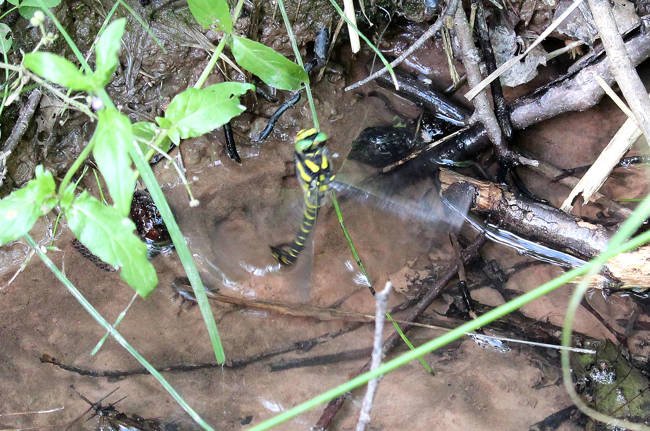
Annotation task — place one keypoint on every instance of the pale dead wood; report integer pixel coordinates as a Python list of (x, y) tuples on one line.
[(621, 65), (594, 178), (551, 171)]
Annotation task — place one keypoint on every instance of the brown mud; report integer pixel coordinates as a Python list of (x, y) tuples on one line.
[(245, 208)]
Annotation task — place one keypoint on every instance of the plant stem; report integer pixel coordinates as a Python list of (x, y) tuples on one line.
[(118, 337), (296, 53), (217, 51)]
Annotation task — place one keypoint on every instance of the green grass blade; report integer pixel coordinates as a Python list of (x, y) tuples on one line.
[(296, 53), (118, 337), (450, 336), (636, 219), (181, 248), (357, 259)]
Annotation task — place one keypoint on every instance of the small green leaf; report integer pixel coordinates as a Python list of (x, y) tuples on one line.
[(58, 70), (20, 210), (106, 51), (28, 7), (111, 237), (197, 111), (271, 67), (5, 40), (208, 12), (111, 142), (145, 133)]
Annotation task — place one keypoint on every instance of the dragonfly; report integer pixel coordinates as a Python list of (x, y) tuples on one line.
[(271, 242)]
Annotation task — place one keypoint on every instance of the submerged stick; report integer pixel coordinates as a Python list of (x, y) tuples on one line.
[(381, 299)]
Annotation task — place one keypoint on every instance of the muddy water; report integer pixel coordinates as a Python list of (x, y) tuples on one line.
[(243, 210)]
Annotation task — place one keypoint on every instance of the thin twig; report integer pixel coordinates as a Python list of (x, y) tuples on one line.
[(471, 60), (449, 12), (381, 299), (508, 64), (621, 65), (25, 116), (421, 302)]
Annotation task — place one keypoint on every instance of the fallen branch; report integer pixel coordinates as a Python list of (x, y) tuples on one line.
[(621, 64), (575, 91)]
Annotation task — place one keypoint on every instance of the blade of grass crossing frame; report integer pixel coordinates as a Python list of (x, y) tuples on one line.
[(630, 226), (181, 248), (118, 337), (450, 336), (339, 216)]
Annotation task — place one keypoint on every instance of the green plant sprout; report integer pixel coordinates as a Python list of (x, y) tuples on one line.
[(116, 144)]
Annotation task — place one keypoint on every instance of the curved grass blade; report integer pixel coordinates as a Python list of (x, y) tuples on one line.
[(118, 337)]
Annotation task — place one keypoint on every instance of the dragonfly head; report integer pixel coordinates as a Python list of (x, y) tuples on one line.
[(309, 139)]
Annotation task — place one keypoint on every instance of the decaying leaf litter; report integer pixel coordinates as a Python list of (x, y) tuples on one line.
[(473, 387)]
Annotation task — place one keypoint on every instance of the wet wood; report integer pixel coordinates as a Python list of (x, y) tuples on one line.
[(530, 219), (552, 227)]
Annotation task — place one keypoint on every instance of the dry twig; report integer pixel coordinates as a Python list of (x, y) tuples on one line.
[(381, 299), (621, 65), (449, 12)]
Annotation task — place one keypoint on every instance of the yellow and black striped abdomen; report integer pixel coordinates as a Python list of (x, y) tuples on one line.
[(287, 254), (313, 169)]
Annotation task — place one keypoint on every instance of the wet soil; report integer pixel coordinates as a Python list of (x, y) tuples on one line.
[(245, 208)]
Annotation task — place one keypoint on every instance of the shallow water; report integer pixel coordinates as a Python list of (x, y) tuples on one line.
[(243, 210)]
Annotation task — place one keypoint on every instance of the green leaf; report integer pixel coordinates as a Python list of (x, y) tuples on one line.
[(110, 236), (20, 210), (5, 40), (271, 67), (106, 51), (197, 111), (145, 133), (28, 7), (58, 70), (209, 12), (111, 142)]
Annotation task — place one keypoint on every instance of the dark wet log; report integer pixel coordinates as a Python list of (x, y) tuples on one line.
[(532, 220), (574, 91), (433, 101), (553, 421)]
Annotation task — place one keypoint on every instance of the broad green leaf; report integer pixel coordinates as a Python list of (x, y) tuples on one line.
[(110, 236), (197, 111), (58, 70), (28, 7), (106, 51), (271, 67), (111, 142), (20, 210), (209, 12), (145, 132), (5, 40)]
